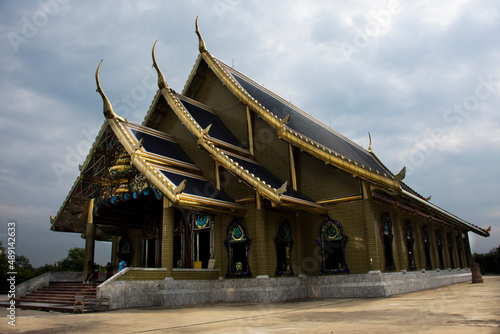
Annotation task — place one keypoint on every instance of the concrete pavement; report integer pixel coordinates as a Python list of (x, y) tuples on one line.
[(460, 308)]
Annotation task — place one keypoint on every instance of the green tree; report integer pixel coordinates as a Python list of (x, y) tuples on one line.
[(74, 261), (23, 262), (24, 269), (45, 268), (489, 262), (496, 256), (4, 268)]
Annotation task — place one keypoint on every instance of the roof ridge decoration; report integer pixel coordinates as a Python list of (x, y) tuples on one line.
[(152, 170), (370, 141), (107, 107), (290, 135), (114, 121), (266, 190), (201, 42)]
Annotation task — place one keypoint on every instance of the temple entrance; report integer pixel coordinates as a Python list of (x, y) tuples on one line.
[(201, 247), (193, 240), (150, 249)]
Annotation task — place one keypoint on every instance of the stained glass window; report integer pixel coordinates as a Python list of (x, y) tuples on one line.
[(283, 244), (237, 245), (332, 242), (410, 246), (427, 249), (387, 239)]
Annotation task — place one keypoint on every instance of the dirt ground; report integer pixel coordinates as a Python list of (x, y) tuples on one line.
[(460, 308)]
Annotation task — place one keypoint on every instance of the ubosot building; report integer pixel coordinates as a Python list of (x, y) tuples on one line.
[(229, 192)]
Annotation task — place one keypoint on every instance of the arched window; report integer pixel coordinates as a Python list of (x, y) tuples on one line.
[(427, 249), (332, 242), (388, 236), (450, 251), (439, 243), (465, 242), (410, 246), (284, 243), (459, 250), (237, 244)]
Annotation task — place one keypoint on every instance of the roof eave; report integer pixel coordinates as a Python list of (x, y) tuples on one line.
[(80, 177), (448, 215)]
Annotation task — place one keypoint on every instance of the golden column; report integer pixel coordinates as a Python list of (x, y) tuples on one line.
[(167, 236), (89, 239), (260, 248)]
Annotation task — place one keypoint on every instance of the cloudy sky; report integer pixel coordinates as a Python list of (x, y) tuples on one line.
[(422, 78)]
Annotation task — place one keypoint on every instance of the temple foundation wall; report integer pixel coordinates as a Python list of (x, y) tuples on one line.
[(125, 293)]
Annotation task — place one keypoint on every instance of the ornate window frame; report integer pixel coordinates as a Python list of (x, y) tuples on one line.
[(388, 237), (331, 230), (439, 244), (449, 246), (426, 239), (284, 237), (236, 234), (410, 239)]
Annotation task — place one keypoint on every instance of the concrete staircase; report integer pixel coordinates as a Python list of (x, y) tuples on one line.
[(74, 297)]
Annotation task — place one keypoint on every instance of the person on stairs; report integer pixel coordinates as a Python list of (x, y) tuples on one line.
[(89, 272), (95, 275)]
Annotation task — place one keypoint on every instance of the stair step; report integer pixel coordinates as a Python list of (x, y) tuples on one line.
[(62, 293), (60, 297), (57, 307), (47, 301)]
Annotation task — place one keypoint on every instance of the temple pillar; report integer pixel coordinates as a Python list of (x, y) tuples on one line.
[(298, 245), (468, 254), (373, 245), (167, 236), (260, 238), (89, 239), (400, 257), (418, 247)]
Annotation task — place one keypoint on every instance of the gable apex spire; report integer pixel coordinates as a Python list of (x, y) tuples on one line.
[(107, 107), (161, 79), (201, 44)]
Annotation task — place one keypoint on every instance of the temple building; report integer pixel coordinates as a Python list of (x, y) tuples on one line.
[(229, 188)]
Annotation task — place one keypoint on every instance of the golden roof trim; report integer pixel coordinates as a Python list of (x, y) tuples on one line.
[(292, 136), (150, 170), (190, 123)]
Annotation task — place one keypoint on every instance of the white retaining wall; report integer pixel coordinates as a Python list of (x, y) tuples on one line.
[(169, 292)]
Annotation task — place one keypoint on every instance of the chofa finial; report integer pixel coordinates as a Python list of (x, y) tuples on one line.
[(401, 175), (201, 45), (107, 108), (161, 79), (370, 145)]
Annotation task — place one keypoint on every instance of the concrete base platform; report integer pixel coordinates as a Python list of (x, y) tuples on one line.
[(169, 292)]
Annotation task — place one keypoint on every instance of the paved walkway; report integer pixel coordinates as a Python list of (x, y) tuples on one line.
[(461, 308)]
